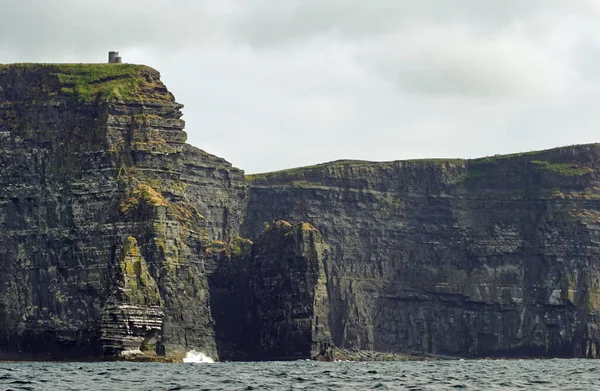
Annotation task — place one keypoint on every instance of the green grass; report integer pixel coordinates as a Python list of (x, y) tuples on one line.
[(106, 81), (564, 169), (290, 171), (483, 167), (476, 172), (237, 246), (91, 82), (510, 156), (436, 160), (240, 246), (295, 170), (497, 165)]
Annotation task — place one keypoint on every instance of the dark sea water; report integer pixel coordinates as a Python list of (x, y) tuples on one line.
[(306, 375)]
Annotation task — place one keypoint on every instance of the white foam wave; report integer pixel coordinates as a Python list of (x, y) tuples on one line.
[(197, 357)]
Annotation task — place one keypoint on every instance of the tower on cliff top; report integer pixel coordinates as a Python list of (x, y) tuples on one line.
[(113, 58)]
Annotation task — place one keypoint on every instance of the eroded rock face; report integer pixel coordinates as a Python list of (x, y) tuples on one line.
[(269, 298), (288, 293), (103, 215), (116, 237), (133, 315), (488, 257)]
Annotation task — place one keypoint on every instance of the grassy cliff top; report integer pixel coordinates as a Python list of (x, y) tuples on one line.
[(98, 70), (566, 161), (91, 82), (345, 163)]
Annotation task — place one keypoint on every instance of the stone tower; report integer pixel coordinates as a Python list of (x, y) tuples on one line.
[(113, 58)]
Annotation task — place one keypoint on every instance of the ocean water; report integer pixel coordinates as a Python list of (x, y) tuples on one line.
[(305, 375)]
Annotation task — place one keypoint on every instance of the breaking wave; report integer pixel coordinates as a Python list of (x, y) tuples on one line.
[(197, 357)]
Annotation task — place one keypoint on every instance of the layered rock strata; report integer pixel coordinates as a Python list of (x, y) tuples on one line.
[(269, 298), (100, 224), (118, 238), (288, 294), (488, 257), (228, 269)]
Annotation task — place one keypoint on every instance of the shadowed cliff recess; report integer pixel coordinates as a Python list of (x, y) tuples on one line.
[(119, 240)]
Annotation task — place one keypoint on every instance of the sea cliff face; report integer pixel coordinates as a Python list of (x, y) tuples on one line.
[(270, 298), (101, 236), (487, 257), (288, 293), (117, 238)]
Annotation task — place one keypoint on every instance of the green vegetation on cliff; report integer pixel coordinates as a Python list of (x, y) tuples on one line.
[(103, 82), (142, 194), (237, 246), (299, 172), (562, 161), (565, 169), (139, 288)]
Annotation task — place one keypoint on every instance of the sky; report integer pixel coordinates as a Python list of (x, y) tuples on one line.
[(272, 84)]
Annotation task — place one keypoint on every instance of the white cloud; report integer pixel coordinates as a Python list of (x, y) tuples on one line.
[(457, 61), (270, 84)]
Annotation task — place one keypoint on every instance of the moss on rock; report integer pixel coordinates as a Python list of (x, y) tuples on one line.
[(142, 194), (139, 287)]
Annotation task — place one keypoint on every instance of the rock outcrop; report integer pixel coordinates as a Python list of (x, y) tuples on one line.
[(288, 294), (269, 298), (101, 235), (489, 257)]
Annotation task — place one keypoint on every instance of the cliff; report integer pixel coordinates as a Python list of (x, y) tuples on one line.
[(488, 257), (101, 236), (117, 238), (269, 298), (288, 294)]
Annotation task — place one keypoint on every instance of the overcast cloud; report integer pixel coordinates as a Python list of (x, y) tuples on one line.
[(272, 84)]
